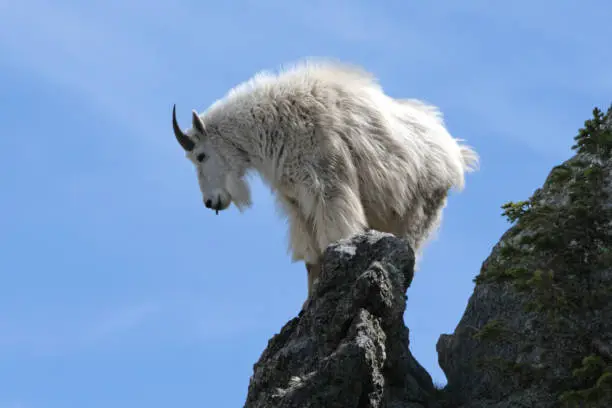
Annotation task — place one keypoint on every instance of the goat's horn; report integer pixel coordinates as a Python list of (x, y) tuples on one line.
[(182, 138)]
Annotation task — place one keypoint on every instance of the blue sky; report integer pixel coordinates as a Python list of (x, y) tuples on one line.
[(118, 288)]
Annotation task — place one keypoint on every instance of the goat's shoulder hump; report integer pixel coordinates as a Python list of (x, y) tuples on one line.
[(327, 71), (303, 72), (301, 76)]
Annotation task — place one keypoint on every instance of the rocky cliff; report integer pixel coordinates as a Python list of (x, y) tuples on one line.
[(537, 331)]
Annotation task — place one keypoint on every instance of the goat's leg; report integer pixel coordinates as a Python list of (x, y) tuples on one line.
[(314, 271), (301, 243), (338, 216)]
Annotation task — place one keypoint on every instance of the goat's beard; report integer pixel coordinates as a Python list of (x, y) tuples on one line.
[(239, 190)]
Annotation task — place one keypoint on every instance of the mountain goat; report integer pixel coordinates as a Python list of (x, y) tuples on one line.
[(340, 155)]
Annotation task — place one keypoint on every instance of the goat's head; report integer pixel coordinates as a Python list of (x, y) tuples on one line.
[(214, 172)]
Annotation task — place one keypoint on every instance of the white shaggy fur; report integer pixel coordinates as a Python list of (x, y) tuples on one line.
[(340, 155)]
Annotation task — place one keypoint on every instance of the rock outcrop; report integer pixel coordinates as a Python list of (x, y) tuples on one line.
[(537, 331), (349, 346)]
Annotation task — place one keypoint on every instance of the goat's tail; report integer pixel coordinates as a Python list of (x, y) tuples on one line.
[(469, 158)]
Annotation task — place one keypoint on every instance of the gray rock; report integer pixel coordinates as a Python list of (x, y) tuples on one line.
[(349, 346), (530, 357)]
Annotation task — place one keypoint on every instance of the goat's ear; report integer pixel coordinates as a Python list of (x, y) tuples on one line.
[(197, 122)]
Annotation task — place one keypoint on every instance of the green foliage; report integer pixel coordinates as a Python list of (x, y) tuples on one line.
[(596, 377), (595, 137), (513, 211), (591, 368), (500, 274), (510, 252), (559, 175), (605, 380), (493, 330)]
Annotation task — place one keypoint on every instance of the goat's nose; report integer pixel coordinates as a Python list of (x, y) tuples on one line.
[(208, 203)]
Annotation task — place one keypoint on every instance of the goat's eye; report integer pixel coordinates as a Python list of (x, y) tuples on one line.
[(201, 157)]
